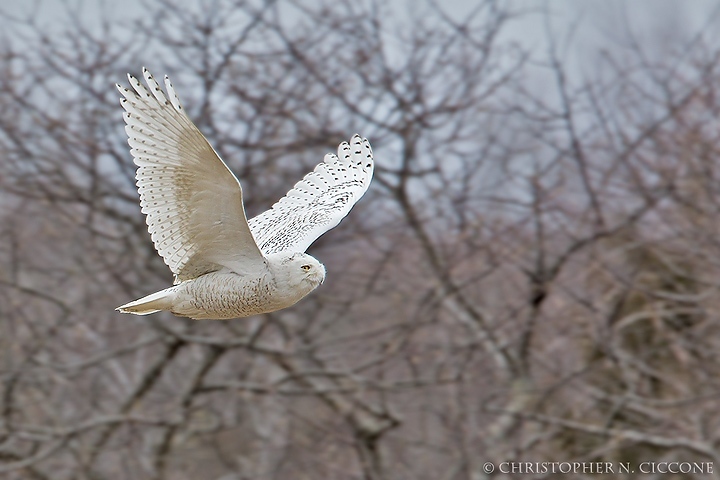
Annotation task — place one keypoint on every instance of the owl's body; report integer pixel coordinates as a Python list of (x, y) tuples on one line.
[(225, 294), (224, 266)]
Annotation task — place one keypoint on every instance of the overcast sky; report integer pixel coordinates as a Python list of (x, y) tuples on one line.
[(582, 27), (596, 18)]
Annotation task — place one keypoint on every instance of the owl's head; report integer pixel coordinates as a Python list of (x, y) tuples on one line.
[(297, 270)]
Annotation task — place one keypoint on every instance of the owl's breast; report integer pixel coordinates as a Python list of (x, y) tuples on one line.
[(226, 295)]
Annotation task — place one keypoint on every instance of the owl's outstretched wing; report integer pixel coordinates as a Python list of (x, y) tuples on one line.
[(192, 200), (318, 202)]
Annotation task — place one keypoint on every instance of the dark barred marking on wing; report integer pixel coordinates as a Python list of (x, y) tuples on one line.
[(318, 202)]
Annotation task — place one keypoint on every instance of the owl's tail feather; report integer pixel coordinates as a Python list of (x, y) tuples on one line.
[(152, 303)]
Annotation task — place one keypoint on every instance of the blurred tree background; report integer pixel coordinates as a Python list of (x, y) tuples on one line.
[(532, 276)]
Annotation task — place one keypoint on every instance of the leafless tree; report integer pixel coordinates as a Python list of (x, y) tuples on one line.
[(532, 276)]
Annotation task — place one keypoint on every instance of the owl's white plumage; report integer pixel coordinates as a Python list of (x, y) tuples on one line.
[(225, 266)]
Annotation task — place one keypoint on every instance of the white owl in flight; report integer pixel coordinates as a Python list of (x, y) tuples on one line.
[(226, 266)]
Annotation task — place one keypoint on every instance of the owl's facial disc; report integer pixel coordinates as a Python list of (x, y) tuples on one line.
[(311, 269)]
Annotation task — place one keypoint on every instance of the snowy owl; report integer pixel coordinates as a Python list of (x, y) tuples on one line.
[(226, 266)]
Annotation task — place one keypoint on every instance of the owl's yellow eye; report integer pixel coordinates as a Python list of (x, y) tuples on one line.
[(306, 267)]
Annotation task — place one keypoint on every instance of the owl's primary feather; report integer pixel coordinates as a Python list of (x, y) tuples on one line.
[(225, 266)]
